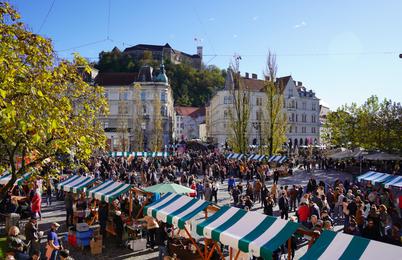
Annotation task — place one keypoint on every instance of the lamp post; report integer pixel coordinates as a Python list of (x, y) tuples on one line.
[(257, 126)]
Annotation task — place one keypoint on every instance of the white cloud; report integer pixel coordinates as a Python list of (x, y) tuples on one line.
[(255, 18), (302, 24), (234, 35), (211, 19)]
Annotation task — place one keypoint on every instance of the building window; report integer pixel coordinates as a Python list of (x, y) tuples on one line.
[(295, 129), (304, 105), (226, 114), (304, 118), (313, 130), (259, 101), (290, 129), (123, 108), (313, 106), (293, 117), (227, 100), (182, 125), (144, 109), (163, 96), (313, 118), (163, 111), (296, 104), (143, 95), (297, 117), (123, 95), (258, 115), (303, 129)]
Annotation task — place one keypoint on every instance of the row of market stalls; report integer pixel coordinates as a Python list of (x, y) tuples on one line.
[(254, 234), (139, 154), (388, 180), (6, 177), (258, 157)]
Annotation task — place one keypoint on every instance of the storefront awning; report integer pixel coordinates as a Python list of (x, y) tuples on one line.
[(108, 191), (6, 177), (235, 156), (375, 177), (256, 157), (277, 158), (76, 183), (332, 245), (175, 209), (248, 231)]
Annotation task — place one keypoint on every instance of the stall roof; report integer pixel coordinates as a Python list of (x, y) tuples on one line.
[(108, 191), (175, 209), (395, 181), (375, 177), (76, 183), (332, 245), (382, 157), (256, 157), (277, 158), (6, 177), (169, 187), (247, 231), (237, 156), (139, 154)]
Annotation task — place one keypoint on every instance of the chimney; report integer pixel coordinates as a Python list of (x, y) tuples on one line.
[(199, 51), (254, 76), (267, 78), (247, 75), (299, 83)]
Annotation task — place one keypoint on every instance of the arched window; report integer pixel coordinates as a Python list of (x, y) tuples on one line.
[(144, 109), (295, 142)]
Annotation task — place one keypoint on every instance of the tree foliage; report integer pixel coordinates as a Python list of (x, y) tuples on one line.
[(46, 109), (157, 130), (138, 144), (275, 122), (191, 87), (374, 125), (240, 110)]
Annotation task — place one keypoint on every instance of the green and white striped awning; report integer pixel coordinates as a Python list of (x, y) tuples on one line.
[(139, 154), (247, 231), (6, 177), (76, 183), (332, 245), (175, 209), (108, 191)]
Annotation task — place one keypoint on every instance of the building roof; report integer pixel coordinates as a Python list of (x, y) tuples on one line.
[(283, 81), (253, 84), (115, 78), (190, 111), (148, 47)]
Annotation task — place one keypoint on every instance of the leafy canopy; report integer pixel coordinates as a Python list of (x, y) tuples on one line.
[(46, 109)]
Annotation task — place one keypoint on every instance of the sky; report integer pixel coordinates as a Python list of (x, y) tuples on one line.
[(343, 50)]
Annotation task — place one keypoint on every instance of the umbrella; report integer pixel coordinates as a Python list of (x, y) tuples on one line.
[(169, 187)]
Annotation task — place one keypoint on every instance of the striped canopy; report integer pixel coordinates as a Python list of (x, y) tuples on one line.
[(6, 177), (277, 158), (375, 177), (108, 191), (256, 157), (395, 181), (332, 245), (237, 156), (76, 183), (139, 154), (175, 209), (248, 231)]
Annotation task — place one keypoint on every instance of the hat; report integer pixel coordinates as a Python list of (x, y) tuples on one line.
[(118, 212), (55, 224)]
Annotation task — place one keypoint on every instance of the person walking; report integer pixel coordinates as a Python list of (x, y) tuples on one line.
[(32, 235), (284, 205), (53, 243), (161, 237), (69, 201)]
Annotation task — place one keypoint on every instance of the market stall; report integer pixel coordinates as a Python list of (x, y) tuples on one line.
[(76, 183), (256, 157), (277, 158), (139, 154), (163, 188), (333, 245), (6, 177), (247, 231), (177, 210), (375, 177), (395, 181), (108, 191), (234, 156)]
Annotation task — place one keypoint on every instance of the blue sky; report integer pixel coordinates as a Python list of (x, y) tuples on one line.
[(344, 50)]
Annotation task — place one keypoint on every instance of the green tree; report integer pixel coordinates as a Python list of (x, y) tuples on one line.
[(239, 112), (46, 109), (157, 132), (138, 119), (275, 122)]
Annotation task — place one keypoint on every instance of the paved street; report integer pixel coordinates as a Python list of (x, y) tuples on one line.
[(56, 213)]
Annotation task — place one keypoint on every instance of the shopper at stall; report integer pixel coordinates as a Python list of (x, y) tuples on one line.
[(81, 207), (69, 201), (161, 237), (32, 235), (53, 244), (151, 225), (119, 228), (103, 213)]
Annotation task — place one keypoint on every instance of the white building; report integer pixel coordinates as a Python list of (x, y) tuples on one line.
[(120, 88), (188, 120), (301, 106)]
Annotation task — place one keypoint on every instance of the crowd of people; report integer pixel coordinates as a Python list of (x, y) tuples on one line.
[(362, 209)]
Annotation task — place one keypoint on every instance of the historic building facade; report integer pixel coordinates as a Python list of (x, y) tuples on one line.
[(188, 120), (133, 98), (300, 105)]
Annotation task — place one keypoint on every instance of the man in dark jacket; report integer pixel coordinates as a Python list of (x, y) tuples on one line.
[(32, 235), (69, 201), (103, 216), (284, 205), (161, 237)]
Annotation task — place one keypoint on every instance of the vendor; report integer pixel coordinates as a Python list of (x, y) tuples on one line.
[(81, 207), (119, 225), (152, 225)]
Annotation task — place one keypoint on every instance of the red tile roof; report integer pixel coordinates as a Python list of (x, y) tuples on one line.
[(190, 111)]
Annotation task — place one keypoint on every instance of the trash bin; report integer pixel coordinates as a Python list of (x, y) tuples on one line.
[(12, 219)]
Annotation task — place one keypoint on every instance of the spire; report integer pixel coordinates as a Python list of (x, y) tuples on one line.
[(162, 75)]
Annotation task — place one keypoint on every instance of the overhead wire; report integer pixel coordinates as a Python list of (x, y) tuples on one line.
[(47, 15)]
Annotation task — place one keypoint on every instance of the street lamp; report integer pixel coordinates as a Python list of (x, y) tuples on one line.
[(257, 126)]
